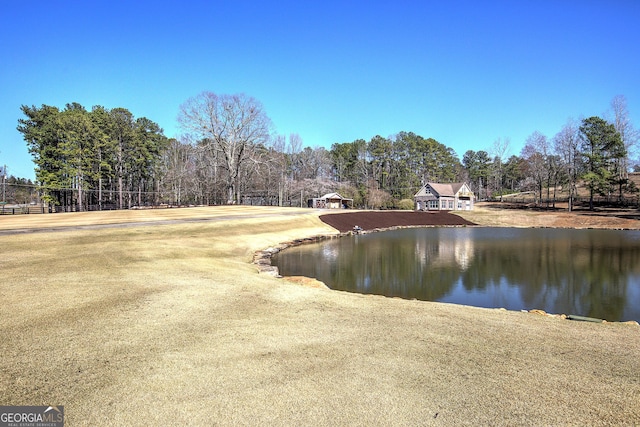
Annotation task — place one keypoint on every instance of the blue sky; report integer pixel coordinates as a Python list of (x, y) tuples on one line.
[(463, 72)]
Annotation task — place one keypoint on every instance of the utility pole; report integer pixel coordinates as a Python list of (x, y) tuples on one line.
[(4, 184)]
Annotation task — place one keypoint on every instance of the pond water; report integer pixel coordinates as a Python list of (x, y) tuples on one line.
[(594, 273)]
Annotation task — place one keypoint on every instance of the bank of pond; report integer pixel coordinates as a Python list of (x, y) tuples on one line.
[(590, 273)]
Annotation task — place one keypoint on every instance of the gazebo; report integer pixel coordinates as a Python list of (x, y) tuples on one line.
[(330, 201)]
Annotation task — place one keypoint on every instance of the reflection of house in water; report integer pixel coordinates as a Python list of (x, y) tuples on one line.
[(445, 252), (330, 201)]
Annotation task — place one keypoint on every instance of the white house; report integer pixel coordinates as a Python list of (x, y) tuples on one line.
[(444, 197)]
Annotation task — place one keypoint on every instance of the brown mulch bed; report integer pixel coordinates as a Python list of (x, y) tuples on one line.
[(344, 222)]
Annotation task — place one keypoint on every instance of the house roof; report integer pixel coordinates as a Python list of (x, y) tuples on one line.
[(332, 196), (447, 190)]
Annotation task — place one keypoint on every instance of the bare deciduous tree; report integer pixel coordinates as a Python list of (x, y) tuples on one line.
[(233, 124), (567, 146), (535, 151), (499, 151), (623, 125), (179, 169)]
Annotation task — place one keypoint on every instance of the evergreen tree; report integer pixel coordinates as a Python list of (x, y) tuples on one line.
[(602, 148)]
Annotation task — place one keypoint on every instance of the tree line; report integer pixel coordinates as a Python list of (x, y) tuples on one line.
[(593, 152), (95, 158), (229, 154)]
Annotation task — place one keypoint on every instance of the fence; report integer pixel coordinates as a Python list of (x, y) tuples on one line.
[(25, 210), (612, 202), (16, 210)]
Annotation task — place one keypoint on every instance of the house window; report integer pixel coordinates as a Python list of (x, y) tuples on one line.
[(450, 204), (459, 205), (433, 204)]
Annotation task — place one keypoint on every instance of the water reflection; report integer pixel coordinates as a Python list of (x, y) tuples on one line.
[(592, 273)]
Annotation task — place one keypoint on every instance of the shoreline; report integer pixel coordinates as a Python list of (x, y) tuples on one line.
[(360, 222), (262, 259)]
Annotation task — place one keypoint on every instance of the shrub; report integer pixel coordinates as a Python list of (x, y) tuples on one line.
[(405, 204)]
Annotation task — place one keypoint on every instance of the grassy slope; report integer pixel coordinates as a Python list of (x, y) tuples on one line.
[(171, 324)]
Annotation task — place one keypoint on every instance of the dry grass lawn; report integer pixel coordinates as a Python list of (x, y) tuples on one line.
[(158, 317), (493, 214)]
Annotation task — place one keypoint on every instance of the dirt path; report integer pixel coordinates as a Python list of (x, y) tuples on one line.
[(169, 323)]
